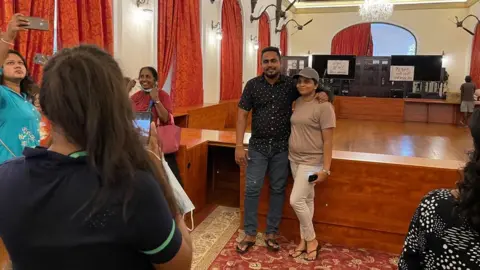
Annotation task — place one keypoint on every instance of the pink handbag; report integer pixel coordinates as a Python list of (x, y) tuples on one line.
[(169, 137)]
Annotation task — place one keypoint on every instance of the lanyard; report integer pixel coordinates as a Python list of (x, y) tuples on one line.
[(78, 154)]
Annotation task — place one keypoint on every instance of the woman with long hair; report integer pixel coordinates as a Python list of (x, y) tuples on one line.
[(445, 230), (151, 98), (94, 199), (19, 120)]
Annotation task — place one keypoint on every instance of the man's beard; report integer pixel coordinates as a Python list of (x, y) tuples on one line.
[(272, 75)]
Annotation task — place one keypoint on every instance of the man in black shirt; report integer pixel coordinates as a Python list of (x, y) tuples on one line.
[(270, 97)]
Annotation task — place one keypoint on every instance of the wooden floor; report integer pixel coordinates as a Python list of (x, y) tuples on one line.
[(433, 141)]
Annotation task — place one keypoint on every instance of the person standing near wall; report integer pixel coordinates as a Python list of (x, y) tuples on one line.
[(19, 119), (467, 90)]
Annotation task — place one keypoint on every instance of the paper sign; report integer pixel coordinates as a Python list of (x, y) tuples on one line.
[(337, 67), (292, 64), (402, 73), (301, 64)]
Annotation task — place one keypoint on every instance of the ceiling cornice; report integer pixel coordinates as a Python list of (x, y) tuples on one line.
[(352, 6)]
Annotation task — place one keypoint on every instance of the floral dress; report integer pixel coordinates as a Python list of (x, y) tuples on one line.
[(19, 124)]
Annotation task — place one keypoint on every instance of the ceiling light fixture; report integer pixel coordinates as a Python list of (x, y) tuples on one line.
[(376, 10)]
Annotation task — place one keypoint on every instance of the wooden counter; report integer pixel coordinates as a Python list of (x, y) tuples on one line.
[(365, 108), (368, 201), (433, 111)]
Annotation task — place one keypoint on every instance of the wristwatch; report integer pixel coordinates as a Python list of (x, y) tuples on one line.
[(325, 171), (157, 102)]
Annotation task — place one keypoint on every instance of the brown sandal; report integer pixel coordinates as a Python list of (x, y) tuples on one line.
[(272, 245), (316, 255), (295, 251), (244, 244)]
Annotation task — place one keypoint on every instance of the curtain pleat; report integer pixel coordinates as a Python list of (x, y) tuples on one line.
[(187, 81), (232, 51), (354, 40), (263, 39)]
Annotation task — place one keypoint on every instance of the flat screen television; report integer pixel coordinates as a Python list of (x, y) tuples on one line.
[(320, 64), (427, 67)]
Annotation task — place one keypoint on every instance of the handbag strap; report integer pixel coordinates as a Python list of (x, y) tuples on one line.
[(8, 149), (172, 120)]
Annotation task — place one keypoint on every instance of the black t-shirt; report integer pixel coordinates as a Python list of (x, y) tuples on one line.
[(45, 224)]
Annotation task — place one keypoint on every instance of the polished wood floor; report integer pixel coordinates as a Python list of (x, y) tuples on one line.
[(433, 141)]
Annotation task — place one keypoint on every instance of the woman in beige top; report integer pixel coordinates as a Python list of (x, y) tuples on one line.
[(310, 155)]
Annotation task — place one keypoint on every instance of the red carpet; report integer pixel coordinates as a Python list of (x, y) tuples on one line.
[(330, 258)]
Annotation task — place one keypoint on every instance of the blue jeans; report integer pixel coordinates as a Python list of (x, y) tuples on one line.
[(277, 164)]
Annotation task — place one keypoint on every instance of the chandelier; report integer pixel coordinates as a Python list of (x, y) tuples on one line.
[(376, 10)]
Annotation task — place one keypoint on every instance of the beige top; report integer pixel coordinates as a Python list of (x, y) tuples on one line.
[(308, 120)]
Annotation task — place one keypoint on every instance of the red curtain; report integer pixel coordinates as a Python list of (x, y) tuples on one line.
[(284, 41), (85, 21), (263, 39), (167, 29), (232, 51), (187, 82), (354, 40), (6, 12), (475, 61), (29, 43)]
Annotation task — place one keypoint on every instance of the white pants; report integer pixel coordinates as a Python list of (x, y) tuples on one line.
[(302, 198)]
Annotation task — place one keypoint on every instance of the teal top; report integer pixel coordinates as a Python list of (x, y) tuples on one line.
[(19, 124)]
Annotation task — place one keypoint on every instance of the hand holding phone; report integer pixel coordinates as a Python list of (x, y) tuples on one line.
[(312, 178), (143, 122), (36, 23)]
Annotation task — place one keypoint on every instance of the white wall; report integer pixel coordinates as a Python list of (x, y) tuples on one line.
[(211, 46), (432, 28), (134, 36)]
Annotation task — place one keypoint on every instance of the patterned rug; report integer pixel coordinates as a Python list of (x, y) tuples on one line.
[(212, 234), (216, 237), (330, 258)]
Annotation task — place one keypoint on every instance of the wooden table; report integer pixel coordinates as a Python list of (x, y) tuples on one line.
[(368, 201)]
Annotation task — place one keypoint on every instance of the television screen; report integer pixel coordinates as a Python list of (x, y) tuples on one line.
[(427, 67), (335, 66)]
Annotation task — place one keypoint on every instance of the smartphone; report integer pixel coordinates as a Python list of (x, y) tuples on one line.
[(37, 23), (40, 59), (142, 123), (312, 178)]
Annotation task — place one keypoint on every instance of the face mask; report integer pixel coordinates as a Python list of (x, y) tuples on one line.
[(183, 201), (146, 90)]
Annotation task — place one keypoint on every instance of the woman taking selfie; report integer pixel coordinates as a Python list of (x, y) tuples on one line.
[(150, 98), (310, 155), (19, 120), (94, 199)]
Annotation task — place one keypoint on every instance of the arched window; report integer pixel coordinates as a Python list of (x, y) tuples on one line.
[(374, 39), (389, 39)]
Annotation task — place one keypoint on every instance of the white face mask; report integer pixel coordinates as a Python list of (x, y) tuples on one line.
[(146, 90), (183, 201)]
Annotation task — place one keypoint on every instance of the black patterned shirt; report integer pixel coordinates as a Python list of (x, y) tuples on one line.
[(439, 238), (271, 107)]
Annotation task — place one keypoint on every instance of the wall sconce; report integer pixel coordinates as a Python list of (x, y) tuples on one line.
[(146, 4), (460, 23), (218, 30), (254, 41)]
